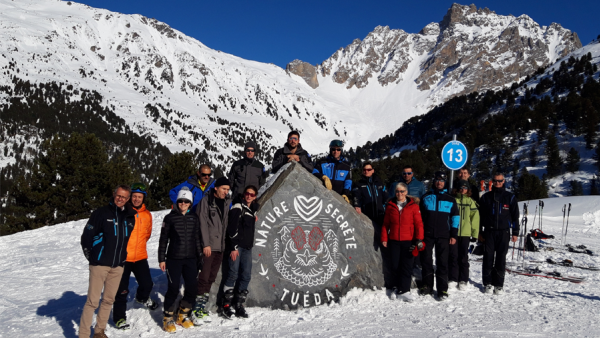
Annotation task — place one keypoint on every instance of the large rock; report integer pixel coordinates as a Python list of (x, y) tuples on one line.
[(305, 70), (311, 246)]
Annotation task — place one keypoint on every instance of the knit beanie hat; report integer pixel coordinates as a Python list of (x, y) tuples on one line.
[(185, 194), (250, 144), (463, 183), (222, 181)]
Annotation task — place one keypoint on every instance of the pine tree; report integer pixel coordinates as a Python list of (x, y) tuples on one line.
[(177, 169), (572, 161), (532, 156), (530, 187), (594, 188), (553, 165), (576, 188)]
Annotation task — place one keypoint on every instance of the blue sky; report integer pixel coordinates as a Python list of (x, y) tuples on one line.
[(279, 31)]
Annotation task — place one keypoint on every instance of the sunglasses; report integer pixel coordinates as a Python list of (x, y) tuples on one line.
[(138, 187), (249, 194), (205, 175), (368, 170), (293, 139), (497, 181), (400, 191), (440, 180), (407, 174), (249, 150), (184, 202), (463, 188), (336, 149)]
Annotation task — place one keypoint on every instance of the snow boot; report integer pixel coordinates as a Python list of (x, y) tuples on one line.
[(200, 315), (425, 291), (452, 285), (183, 318), (100, 334), (488, 289), (406, 297), (149, 304), (227, 312), (462, 286), (498, 290), (442, 296), (168, 322), (393, 293), (122, 324), (240, 311)]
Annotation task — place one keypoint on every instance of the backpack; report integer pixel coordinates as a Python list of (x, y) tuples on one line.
[(530, 244), (538, 234)]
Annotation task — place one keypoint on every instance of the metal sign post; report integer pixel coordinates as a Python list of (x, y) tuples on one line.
[(454, 157)]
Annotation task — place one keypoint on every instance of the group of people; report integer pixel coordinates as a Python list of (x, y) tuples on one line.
[(212, 222)]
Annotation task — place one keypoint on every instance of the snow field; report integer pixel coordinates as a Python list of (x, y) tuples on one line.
[(44, 286)]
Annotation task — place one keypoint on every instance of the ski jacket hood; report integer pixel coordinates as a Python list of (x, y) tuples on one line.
[(136, 248), (402, 225)]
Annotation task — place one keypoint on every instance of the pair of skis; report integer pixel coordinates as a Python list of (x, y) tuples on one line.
[(564, 230), (568, 263), (536, 272)]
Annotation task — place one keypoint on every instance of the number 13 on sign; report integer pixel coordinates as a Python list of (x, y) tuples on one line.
[(459, 155)]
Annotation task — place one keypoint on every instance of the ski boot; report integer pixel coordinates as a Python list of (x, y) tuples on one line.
[(240, 311), (488, 289), (425, 291), (200, 315), (168, 322), (442, 296), (227, 312), (498, 290), (122, 324), (183, 318), (149, 304)]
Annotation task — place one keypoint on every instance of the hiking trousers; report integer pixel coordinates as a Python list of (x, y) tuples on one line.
[(494, 256)]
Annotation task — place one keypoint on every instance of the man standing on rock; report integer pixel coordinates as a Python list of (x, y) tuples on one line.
[(292, 151), (213, 212), (334, 170), (104, 243), (198, 184), (441, 219), (247, 171), (499, 213)]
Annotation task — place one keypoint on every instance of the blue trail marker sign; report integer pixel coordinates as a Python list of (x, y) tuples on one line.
[(454, 155)]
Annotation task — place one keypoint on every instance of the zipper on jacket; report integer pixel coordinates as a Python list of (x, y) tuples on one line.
[(116, 234)]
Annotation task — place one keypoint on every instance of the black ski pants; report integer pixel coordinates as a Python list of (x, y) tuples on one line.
[(176, 268), (458, 260), (494, 256), (441, 263), (402, 264), (141, 271)]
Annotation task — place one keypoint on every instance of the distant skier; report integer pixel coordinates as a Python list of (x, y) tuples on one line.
[(137, 260), (499, 218), (213, 212), (440, 223), (468, 231), (104, 243), (198, 184), (292, 151), (240, 240), (246, 171), (334, 170), (179, 253)]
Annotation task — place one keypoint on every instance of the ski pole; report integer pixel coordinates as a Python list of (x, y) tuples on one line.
[(534, 216), (567, 228), (541, 215), (562, 232)]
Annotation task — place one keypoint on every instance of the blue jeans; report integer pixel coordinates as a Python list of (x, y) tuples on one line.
[(240, 270)]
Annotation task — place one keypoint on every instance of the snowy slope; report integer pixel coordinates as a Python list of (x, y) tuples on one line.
[(44, 283), (219, 100)]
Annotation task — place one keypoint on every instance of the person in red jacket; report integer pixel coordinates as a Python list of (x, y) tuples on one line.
[(402, 233), (137, 260)]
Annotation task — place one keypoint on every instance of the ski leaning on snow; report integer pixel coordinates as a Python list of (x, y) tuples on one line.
[(536, 272), (568, 263), (581, 249)]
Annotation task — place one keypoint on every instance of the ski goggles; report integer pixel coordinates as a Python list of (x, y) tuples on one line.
[(138, 187)]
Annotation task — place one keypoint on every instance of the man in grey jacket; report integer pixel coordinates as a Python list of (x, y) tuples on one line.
[(246, 171), (213, 212)]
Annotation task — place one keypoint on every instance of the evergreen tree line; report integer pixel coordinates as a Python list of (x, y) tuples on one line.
[(501, 121)]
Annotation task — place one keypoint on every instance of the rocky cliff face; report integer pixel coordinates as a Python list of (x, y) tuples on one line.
[(471, 49)]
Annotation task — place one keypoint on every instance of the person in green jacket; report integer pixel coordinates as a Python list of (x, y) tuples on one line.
[(467, 232)]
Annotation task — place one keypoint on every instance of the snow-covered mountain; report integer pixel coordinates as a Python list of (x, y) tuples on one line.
[(187, 96)]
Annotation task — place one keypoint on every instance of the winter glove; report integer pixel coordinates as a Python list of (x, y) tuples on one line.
[(418, 244), (327, 182), (86, 253), (346, 198)]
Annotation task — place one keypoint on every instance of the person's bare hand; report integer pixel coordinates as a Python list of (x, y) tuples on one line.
[(452, 241), (384, 244), (234, 255), (163, 266), (514, 238), (206, 251), (358, 210)]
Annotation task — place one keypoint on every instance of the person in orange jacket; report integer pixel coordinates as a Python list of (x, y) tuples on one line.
[(137, 260)]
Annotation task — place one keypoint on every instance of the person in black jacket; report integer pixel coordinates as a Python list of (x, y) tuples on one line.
[(499, 212), (180, 233), (441, 219), (247, 171), (104, 244), (334, 170), (240, 240), (292, 151)]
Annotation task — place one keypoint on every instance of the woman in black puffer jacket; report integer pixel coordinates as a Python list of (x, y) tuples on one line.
[(181, 234)]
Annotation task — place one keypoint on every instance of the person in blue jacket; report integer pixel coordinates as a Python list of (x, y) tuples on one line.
[(198, 184), (415, 187), (334, 170), (441, 219)]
